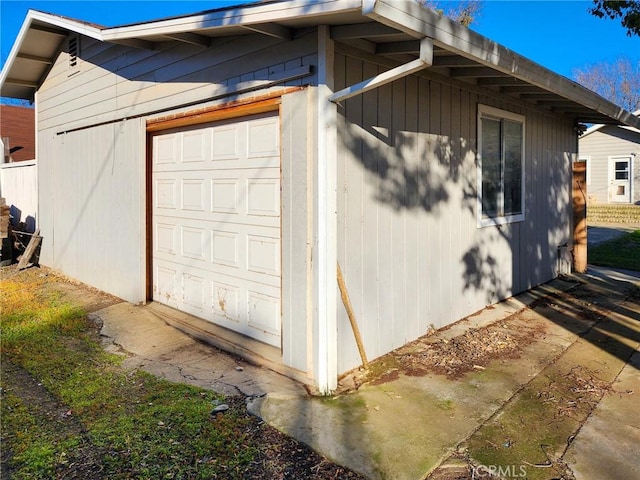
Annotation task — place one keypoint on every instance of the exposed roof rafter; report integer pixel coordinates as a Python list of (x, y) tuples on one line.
[(271, 30), (136, 43), (22, 83), (475, 72), (190, 38), (362, 30), (35, 58), (394, 48)]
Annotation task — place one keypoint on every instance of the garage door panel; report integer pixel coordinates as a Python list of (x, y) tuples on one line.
[(216, 224), (264, 312), (224, 195), (263, 196), (226, 143), (193, 241), (196, 146), (263, 138), (263, 255)]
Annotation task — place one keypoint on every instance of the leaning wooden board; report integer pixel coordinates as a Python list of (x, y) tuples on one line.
[(30, 250)]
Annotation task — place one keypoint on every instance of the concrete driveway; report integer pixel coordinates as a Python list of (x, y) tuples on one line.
[(546, 408), (598, 233)]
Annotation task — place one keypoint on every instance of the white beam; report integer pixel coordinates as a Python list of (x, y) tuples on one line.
[(271, 30), (22, 83), (190, 38), (325, 256), (423, 61), (35, 58), (362, 30)]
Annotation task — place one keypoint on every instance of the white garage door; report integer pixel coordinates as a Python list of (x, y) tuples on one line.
[(216, 224)]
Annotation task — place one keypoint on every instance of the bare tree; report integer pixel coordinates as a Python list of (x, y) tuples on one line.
[(464, 12), (618, 82)]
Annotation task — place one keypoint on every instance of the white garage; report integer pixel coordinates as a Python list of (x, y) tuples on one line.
[(216, 223)]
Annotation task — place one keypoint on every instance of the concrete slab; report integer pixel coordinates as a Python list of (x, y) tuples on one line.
[(152, 345), (404, 427)]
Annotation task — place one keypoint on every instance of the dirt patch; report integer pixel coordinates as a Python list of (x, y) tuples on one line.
[(453, 357)]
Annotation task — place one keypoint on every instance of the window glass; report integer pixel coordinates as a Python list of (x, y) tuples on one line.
[(622, 170), (491, 167), (501, 166), (512, 168)]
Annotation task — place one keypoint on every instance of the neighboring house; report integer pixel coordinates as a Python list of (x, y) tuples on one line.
[(17, 133), (18, 170), (612, 153), (223, 163)]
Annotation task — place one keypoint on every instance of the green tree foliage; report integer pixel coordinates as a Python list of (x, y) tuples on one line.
[(618, 82), (627, 10)]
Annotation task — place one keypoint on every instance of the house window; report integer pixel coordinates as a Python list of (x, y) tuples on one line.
[(500, 166), (587, 160)]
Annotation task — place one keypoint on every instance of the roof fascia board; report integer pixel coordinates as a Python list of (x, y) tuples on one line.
[(599, 126), (66, 24), (417, 21), (255, 14)]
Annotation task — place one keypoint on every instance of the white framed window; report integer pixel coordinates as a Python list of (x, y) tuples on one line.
[(587, 160), (500, 166)]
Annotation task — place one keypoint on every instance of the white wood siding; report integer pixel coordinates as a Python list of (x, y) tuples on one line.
[(297, 231), (92, 206), (92, 179), (115, 82), (409, 247), (610, 141)]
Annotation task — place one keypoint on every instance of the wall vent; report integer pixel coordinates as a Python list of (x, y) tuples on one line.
[(73, 51)]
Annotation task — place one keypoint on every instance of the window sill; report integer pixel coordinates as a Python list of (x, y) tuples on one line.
[(493, 221)]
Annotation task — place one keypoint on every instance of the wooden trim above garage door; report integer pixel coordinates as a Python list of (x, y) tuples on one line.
[(251, 106)]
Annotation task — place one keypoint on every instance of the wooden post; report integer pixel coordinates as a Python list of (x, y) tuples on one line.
[(580, 217)]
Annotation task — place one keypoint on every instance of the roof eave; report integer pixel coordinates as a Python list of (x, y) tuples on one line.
[(415, 20), (65, 24), (243, 15)]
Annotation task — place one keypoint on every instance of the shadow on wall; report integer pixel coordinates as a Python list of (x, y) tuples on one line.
[(27, 225), (416, 141)]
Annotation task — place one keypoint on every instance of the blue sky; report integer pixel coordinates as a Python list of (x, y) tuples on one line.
[(560, 35)]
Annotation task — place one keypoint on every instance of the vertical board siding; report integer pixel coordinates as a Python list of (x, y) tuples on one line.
[(19, 187), (609, 141), (92, 205), (114, 81), (408, 242), (295, 234)]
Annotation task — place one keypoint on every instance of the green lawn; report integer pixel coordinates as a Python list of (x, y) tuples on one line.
[(136, 426), (71, 410), (622, 252)]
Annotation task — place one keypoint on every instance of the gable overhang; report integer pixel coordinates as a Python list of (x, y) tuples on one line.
[(38, 43), (389, 32)]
